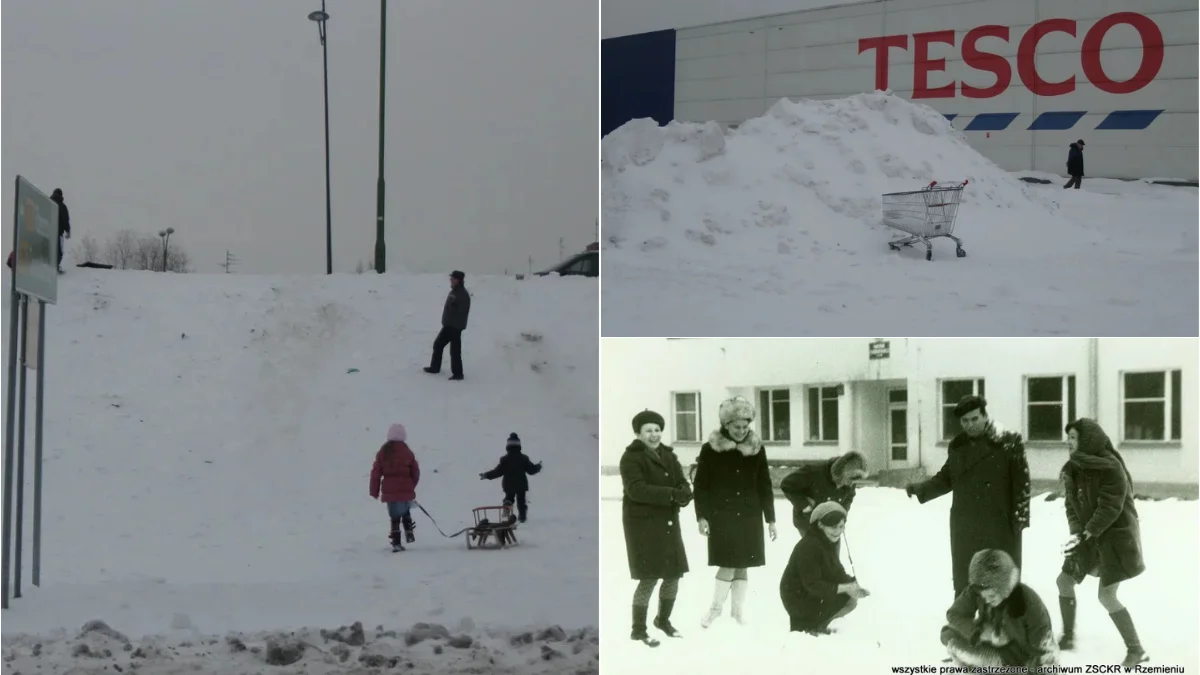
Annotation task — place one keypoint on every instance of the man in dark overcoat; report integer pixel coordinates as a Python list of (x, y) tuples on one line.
[(655, 489), (831, 480), (988, 476), (1075, 165), (454, 322)]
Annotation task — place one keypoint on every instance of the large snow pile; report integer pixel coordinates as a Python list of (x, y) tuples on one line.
[(208, 443), (778, 222), (900, 552)]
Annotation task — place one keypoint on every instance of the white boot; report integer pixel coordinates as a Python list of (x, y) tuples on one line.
[(720, 592), (737, 608)]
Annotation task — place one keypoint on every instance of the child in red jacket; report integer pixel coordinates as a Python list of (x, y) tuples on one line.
[(396, 469)]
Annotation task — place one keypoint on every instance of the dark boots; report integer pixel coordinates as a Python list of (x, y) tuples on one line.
[(639, 626), (395, 535), (1134, 654), (663, 620), (1067, 607), (409, 526)]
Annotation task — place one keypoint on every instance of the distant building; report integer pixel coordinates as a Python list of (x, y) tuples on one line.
[(892, 399)]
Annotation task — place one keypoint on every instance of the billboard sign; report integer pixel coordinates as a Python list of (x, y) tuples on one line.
[(35, 242)]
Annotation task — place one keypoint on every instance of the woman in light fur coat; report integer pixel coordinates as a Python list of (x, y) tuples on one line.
[(733, 497)]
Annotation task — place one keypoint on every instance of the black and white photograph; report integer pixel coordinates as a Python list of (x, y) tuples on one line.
[(893, 504)]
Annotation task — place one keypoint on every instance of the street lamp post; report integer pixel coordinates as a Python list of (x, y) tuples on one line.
[(380, 248), (165, 235), (321, 17)]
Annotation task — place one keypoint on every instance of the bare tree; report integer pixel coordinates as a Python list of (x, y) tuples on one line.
[(359, 268), (121, 249), (127, 250), (87, 249)]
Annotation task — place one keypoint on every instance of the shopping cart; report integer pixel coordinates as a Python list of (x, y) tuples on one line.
[(924, 214)]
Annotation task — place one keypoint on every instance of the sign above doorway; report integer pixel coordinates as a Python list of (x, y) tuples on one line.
[(880, 349)]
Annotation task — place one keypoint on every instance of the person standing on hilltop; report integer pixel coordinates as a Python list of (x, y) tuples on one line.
[(1075, 165), (454, 322), (64, 224)]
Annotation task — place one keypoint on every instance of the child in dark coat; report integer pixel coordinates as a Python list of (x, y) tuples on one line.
[(514, 468), (394, 478), (998, 621), (815, 588)]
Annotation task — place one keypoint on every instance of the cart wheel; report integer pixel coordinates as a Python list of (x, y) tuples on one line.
[(960, 252), (929, 255)]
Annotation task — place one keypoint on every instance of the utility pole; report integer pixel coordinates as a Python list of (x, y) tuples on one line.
[(230, 261), (380, 248)]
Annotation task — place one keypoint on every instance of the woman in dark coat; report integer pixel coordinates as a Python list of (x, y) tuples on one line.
[(831, 480), (1105, 536), (815, 588), (655, 490), (733, 498)]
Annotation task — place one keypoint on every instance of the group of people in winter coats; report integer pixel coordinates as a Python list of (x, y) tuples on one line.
[(396, 473), (994, 620)]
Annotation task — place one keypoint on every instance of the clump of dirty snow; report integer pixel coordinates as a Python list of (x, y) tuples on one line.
[(423, 647)]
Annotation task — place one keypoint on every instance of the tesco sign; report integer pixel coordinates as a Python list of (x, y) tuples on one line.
[(974, 57)]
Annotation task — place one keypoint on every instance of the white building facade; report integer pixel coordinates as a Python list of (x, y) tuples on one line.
[(1022, 78), (891, 399)]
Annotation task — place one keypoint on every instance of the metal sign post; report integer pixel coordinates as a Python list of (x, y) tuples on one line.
[(34, 277)]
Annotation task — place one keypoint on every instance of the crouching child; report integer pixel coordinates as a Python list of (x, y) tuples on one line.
[(815, 588), (998, 621), (515, 468), (395, 475)]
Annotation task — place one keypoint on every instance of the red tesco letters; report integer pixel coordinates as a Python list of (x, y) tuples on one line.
[(974, 57)]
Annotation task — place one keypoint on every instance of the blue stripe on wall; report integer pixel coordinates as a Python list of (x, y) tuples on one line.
[(1129, 119), (637, 79), (991, 122), (1055, 121)]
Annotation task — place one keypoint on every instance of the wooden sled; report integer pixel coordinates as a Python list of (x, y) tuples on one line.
[(495, 527)]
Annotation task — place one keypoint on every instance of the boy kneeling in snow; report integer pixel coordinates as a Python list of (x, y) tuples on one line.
[(998, 621), (515, 468), (815, 588)]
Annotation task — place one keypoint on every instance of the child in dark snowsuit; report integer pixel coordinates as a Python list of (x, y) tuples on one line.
[(396, 468), (515, 468)]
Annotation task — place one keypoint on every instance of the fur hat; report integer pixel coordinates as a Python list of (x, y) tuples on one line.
[(851, 465), (457, 274), (396, 432), (736, 408), (825, 509), (647, 417), (993, 568), (970, 403), (514, 441)]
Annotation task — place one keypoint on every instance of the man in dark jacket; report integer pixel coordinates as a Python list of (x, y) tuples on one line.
[(454, 322), (515, 469), (828, 481), (64, 223), (1075, 165), (988, 474)]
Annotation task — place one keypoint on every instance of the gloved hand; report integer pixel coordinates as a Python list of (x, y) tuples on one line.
[(910, 489), (483, 476), (682, 496)]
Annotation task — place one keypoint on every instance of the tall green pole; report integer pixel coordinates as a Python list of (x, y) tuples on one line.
[(380, 248)]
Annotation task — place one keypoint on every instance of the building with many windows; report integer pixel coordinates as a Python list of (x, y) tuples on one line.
[(891, 399)]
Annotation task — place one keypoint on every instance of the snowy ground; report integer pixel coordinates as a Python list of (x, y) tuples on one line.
[(773, 229), (901, 554), (208, 442)]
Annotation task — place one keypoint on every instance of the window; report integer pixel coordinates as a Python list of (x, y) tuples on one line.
[(687, 417), (823, 414), (1049, 405), (775, 419), (1151, 407), (952, 393)]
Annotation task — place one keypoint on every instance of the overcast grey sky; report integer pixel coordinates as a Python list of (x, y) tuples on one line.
[(628, 17), (206, 115)]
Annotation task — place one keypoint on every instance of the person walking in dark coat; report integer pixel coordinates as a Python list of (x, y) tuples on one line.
[(1075, 165), (454, 322), (394, 478), (655, 491), (733, 497), (815, 588), (1105, 535), (998, 621), (988, 474), (831, 480), (515, 468), (64, 223)]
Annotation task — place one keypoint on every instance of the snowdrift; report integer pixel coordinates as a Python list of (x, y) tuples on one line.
[(209, 439), (779, 222)]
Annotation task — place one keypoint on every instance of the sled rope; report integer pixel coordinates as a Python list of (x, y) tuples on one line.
[(435, 525)]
